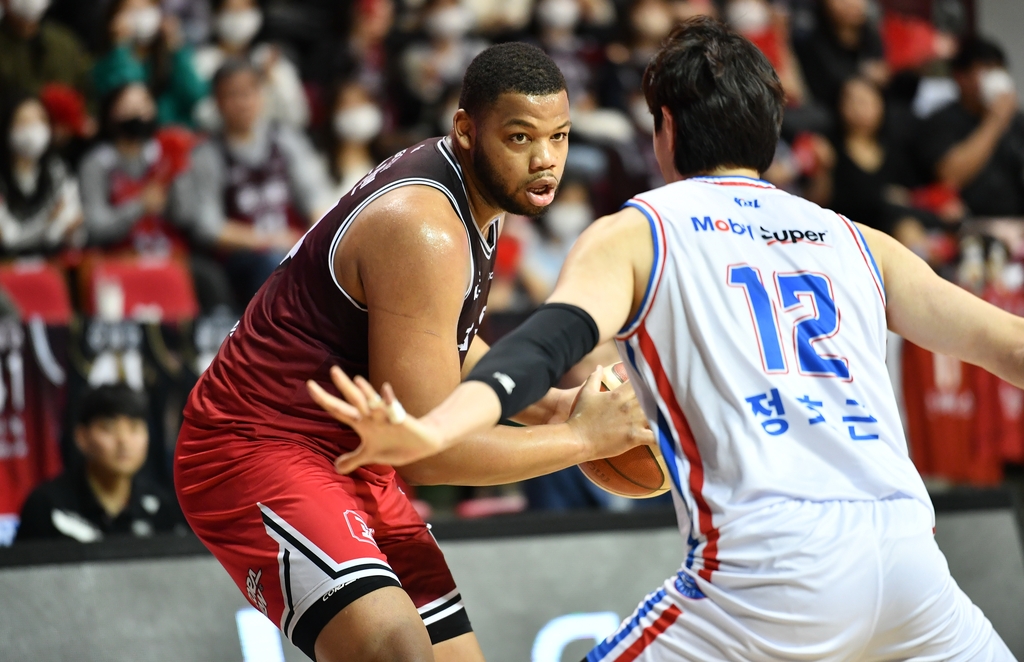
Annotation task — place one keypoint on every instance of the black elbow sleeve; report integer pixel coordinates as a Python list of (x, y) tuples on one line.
[(523, 365)]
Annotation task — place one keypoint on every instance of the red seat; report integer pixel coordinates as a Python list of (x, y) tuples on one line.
[(154, 289), (39, 289)]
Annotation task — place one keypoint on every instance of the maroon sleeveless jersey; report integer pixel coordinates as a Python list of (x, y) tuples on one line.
[(302, 322)]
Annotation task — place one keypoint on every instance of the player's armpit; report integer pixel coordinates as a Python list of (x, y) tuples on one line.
[(943, 318), (607, 270), (413, 260), (477, 349)]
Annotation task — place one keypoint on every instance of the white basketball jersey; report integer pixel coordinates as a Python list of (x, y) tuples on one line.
[(759, 357)]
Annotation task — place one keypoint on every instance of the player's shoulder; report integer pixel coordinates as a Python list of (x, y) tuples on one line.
[(418, 217)]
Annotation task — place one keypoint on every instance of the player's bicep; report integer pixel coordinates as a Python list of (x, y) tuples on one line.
[(414, 276), (601, 273), (931, 312)]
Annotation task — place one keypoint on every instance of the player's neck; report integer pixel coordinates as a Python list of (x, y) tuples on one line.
[(719, 172), (483, 210), (111, 490)]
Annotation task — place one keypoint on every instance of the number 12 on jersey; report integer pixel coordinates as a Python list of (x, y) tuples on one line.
[(803, 289)]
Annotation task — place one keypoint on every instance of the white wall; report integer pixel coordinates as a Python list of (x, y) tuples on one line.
[(1003, 21)]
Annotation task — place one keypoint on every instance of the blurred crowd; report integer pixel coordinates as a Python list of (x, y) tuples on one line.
[(212, 133)]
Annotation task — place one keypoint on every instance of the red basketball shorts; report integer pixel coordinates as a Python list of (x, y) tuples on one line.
[(302, 542)]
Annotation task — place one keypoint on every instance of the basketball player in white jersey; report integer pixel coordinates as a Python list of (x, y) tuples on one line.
[(753, 324)]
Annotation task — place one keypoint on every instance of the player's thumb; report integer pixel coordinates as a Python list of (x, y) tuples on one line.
[(349, 462), (593, 382)]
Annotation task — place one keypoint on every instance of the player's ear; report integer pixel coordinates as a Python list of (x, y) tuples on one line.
[(668, 126), (464, 129), (81, 438)]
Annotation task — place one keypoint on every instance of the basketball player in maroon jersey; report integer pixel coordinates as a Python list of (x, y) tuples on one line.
[(391, 284)]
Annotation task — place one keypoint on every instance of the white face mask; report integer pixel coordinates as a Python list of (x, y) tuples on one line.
[(145, 23), (748, 16), (994, 83), (359, 124), (558, 14), (29, 142), (449, 23), (238, 27), (28, 10), (566, 220)]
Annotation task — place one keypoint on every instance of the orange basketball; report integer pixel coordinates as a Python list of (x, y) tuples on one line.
[(639, 473)]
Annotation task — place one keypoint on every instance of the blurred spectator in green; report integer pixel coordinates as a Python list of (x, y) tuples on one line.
[(34, 51), (147, 46)]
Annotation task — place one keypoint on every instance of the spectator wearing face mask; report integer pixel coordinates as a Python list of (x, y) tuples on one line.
[(976, 144), (558, 21), (139, 191), (260, 184), (147, 46), (40, 211), (433, 67), (236, 23), (545, 252), (356, 123), (34, 51)]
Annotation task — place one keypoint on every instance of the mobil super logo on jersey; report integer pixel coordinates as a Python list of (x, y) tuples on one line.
[(758, 354)]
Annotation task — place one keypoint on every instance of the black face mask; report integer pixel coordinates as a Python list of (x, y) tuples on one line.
[(135, 128)]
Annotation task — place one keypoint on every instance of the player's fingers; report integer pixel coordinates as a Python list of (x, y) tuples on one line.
[(593, 382), (336, 407), (349, 390), (373, 399)]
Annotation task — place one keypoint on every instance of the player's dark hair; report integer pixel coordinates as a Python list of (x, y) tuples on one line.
[(724, 96), (511, 67), (111, 401), (232, 66), (975, 50)]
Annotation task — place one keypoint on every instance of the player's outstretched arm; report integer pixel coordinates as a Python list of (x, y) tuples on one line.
[(943, 318), (601, 284)]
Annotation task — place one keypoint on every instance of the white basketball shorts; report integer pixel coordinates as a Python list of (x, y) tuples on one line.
[(809, 581)]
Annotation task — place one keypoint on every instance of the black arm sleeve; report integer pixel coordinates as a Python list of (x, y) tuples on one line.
[(523, 365)]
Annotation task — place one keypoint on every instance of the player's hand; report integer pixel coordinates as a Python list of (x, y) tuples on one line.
[(388, 435), (609, 422)]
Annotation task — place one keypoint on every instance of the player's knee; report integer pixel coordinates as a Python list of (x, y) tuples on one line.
[(382, 626), (387, 642)]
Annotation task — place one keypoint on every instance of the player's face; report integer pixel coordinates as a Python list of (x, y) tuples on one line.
[(519, 151), (116, 446)]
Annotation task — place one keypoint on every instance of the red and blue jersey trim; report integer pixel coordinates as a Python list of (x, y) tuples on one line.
[(657, 266), (869, 258), (733, 180)]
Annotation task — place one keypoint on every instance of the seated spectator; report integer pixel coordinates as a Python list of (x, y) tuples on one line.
[(133, 192), (107, 496), (544, 252), (236, 24), (34, 51), (976, 145), (650, 21), (432, 67), (356, 123), (768, 28), (872, 177), (40, 211), (844, 44), (260, 183), (146, 46)]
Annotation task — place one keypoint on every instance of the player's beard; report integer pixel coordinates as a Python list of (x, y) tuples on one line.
[(496, 190)]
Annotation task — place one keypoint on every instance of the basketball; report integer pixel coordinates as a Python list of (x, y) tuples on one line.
[(639, 473)]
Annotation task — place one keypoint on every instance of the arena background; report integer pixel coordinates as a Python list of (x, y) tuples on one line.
[(538, 587)]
